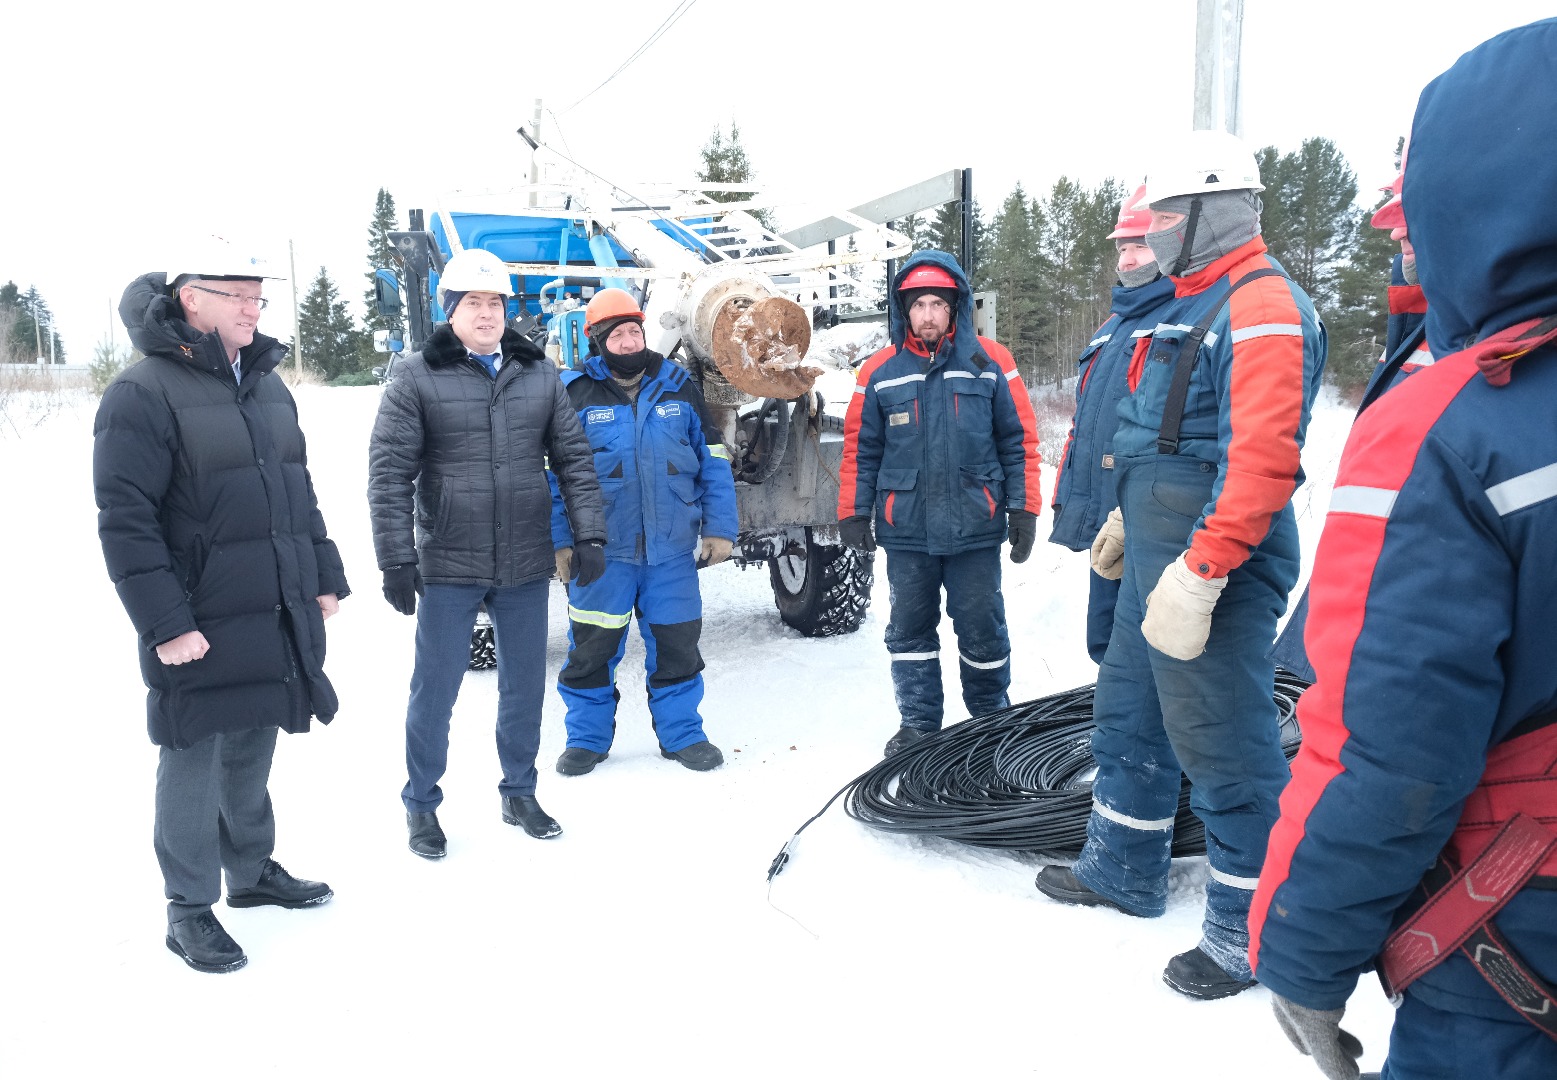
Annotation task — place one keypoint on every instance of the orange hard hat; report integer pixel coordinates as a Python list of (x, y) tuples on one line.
[(927, 276), (1133, 223), (608, 305)]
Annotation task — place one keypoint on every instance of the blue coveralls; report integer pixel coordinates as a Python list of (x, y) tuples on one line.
[(663, 483)]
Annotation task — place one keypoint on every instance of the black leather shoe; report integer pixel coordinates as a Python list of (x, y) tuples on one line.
[(1196, 975), (700, 756), (200, 942), (1059, 883), (427, 838), (524, 811), (278, 888), (576, 761), (906, 736)]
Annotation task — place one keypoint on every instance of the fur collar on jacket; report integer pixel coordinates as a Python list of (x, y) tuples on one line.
[(444, 348)]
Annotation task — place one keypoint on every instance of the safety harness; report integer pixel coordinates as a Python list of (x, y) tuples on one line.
[(1184, 365), (1507, 836)]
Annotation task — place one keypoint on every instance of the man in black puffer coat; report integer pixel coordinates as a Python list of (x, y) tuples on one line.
[(215, 543), (462, 517)]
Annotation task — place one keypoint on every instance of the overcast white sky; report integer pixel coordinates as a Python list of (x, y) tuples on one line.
[(133, 126)]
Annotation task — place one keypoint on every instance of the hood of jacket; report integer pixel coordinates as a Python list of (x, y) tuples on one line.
[(157, 327), (963, 340), (444, 348), (1478, 188), (1132, 303)]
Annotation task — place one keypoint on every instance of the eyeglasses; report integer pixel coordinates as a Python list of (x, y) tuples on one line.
[(258, 301)]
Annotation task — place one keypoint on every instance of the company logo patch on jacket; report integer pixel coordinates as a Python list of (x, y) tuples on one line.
[(894, 419), (669, 408), (599, 416)]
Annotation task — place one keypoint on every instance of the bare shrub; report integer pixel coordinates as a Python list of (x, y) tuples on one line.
[(1053, 409)]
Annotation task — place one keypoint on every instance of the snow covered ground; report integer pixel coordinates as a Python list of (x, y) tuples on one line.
[(645, 940)]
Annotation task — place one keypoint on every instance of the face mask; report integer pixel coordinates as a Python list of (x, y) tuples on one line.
[(629, 366), (1141, 275), (1225, 222), (1408, 270)]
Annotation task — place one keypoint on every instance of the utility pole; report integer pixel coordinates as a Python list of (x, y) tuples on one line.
[(1218, 44), (535, 165), (297, 329)]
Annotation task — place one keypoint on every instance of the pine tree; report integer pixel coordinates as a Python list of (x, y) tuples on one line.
[(1358, 323), (28, 313), (725, 162), (1014, 265), (381, 254), (330, 341), (1313, 229)]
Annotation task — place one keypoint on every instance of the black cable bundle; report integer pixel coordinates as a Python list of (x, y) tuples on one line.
[(1017, 779)]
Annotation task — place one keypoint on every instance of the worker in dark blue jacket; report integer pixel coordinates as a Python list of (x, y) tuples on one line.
[(665, 479), (1430, 735), (1084, 494), (940, 453)]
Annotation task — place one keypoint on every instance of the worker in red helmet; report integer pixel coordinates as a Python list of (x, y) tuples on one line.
[(670, 509), (940, 465), (1084, 496)]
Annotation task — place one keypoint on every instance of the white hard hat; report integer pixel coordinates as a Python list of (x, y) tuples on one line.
[(475, 270), (1201, 162), (213, 257)]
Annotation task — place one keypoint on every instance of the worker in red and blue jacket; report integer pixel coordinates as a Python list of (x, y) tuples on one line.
[(1430, 735), (940, 456), (1205, 544), (1084, 489), (1405, 352), (665, 479)]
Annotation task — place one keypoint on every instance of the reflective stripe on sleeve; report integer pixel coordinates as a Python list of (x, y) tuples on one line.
[(1267, 330), (1522, 491), (1367, 501), (719, 450)]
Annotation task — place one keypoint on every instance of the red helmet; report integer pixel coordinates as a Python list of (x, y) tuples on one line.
[(927, 276), (1391, 215), (1133, 223)]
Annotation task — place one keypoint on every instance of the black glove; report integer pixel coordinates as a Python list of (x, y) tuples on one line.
[(855, 533), (1023, 525), (1318, 1033), (588, 562), (402, 585)]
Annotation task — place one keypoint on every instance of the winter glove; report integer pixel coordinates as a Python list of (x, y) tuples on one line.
[(1108, 547), (1178, 611), (402, 585), (1318, 1034), (715, 550), (855, 533), (564, 563), (1023, 525), (588, 562)]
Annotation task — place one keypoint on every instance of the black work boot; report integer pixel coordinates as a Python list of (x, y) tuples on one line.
[(1195, 975), (200, 942), (906, 736), (278, 888), (427, 838), (577, 760), (524, 811), (1060, 883), (699, 757)]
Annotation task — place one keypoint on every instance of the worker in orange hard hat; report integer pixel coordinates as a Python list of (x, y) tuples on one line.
[(1084, 495)]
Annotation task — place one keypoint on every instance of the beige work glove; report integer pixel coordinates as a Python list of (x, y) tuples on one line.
[(564, 564), (1108, 547), (1178, 611), (715, 550)]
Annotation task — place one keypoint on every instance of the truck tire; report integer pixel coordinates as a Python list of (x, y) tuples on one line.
[(826, 592)]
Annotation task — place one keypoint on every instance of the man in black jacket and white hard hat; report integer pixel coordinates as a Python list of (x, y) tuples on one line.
[(215, 543)]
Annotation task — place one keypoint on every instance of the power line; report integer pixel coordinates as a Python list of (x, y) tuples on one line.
[(674, 17)]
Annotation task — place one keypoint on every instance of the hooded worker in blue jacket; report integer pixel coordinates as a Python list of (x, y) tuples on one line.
[(665, 478), (940, 453), (1084, 492), (1430, 735)]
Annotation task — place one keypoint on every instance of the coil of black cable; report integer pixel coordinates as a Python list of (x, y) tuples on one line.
[(1017, 779)]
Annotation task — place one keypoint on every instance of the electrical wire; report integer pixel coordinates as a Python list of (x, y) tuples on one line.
[(674, 17), (1018, 779)]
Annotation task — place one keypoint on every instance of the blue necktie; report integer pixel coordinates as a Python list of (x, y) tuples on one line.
[(488, 361)]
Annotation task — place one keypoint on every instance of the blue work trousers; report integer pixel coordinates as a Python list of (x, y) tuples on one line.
[(444, 621), (669, 607), (978, 611), (1213, 717), (1435, 1044), (1101, 600)]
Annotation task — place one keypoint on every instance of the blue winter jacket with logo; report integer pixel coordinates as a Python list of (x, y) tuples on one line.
[(939, 445), (665, 479)]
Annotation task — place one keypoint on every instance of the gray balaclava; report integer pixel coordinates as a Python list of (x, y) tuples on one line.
[(1408, 269), (1224, 221), (1144, 274)]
